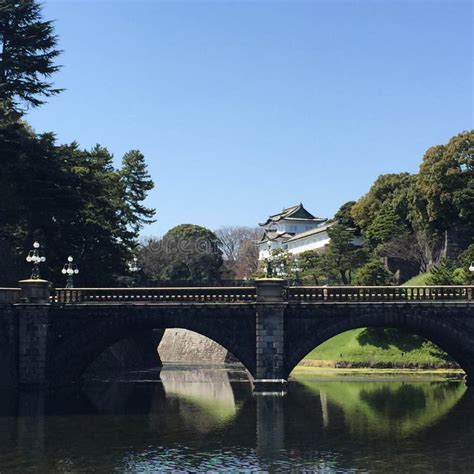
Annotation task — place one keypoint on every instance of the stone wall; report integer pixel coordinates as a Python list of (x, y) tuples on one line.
[(181, 345)]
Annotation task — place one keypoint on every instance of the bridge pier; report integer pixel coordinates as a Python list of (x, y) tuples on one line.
[(34, 324), (270, 343)]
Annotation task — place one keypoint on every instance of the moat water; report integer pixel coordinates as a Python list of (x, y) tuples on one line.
[(206, 419)]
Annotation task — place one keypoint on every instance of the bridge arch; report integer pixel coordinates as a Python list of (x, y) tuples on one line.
[(308, 328), (232, 328)]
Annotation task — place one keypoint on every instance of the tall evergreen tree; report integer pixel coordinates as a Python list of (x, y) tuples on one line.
[(137, 183), (343, 255), (27, 54)]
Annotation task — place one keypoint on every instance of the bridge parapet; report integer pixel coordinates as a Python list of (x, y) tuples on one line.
[(379, 294), (9, 295), (248, 294), (155, 295)]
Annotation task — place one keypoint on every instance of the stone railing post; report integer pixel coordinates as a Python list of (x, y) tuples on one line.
[(34, 324), (270, 343), (34, 291)]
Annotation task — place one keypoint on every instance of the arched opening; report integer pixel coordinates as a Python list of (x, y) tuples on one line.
[(380, 347), (151, 349), (376, 347), (137, 351), (205, 398), (378, 402), (84, 347)]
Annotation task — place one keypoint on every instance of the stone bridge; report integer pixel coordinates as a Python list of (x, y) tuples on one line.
[(50, 337)]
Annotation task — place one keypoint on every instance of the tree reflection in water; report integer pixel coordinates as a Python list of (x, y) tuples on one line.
[(389, 408)]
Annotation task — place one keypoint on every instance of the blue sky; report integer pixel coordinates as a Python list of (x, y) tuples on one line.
[(243, 108)]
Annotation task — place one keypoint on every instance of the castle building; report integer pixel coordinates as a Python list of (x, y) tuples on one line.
[(294, 230)]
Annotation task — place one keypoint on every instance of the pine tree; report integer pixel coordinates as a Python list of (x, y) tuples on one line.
[(343, 255), (27, 54), (136, 183), (443, 273)]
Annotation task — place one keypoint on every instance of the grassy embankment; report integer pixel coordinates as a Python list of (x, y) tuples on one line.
[(369, 347), (418, 280)]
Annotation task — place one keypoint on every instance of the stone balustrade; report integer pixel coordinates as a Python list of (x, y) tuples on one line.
[(248, 294), (379, 294), (155, 295)]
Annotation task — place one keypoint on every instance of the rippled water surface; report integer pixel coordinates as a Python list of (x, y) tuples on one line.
[(206, 419)]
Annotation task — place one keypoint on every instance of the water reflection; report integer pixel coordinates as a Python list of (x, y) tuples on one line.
[(208, 391), (200, 419), (387, 408)]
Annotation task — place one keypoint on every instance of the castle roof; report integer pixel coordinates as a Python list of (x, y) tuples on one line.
[(294, 213), (275, 235), (309, 233)]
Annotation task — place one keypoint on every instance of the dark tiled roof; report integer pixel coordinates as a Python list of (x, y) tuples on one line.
[(286, 211), (314, 231), (275, 235), (295, 212)]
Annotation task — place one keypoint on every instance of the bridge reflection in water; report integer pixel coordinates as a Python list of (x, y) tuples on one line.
[(207, 419)]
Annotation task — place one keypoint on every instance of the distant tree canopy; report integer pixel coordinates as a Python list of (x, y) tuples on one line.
[(411, 216), (466, 260), (344, 217), (372, 272), (386, 225), (239, 248), (388, 197), (187, 253), (443, 194), (28, 53)]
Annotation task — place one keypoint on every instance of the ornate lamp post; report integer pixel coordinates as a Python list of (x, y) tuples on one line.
[(134, 268), (269, 262), (70, 269), (281, 270), (35, 257), (297, 271)]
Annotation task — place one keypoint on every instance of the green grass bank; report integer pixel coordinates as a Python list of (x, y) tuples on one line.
[(375, 347), (379, 348)]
